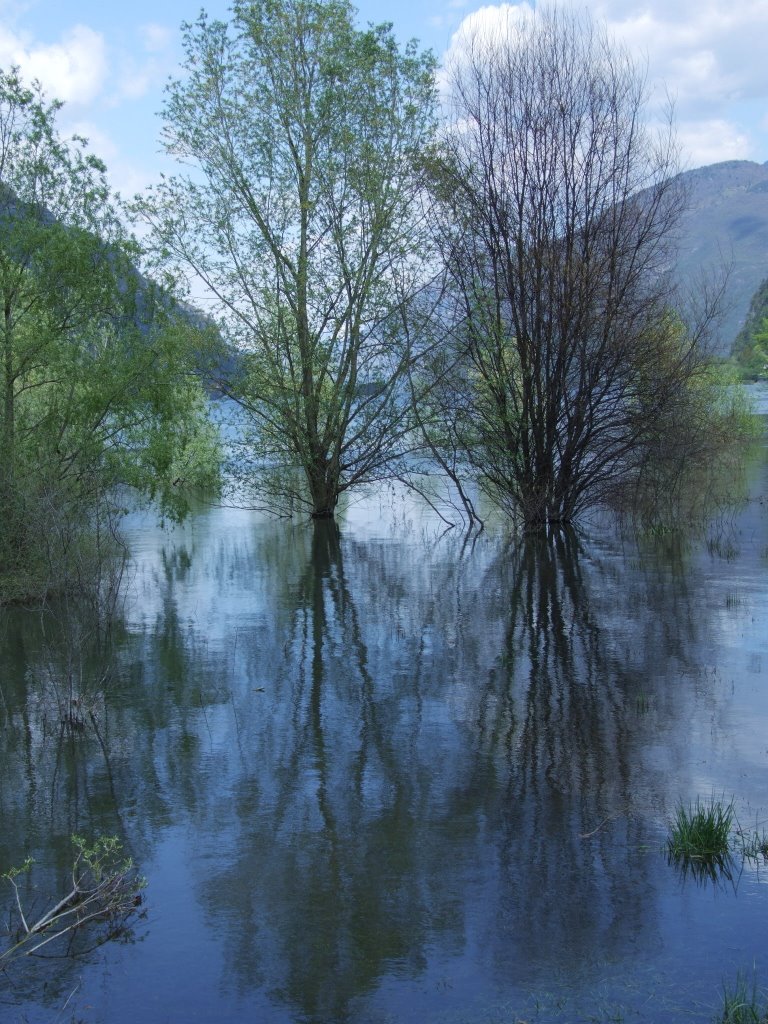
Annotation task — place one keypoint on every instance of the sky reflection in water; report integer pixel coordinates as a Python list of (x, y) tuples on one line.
[(374, 774)]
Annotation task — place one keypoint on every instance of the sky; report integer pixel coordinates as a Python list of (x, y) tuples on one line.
[(109, 63)]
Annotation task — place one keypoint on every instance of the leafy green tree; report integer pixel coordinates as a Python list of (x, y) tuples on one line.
[(301, 215), (752, 357), (750, 347), (760, 349), (94, 371)]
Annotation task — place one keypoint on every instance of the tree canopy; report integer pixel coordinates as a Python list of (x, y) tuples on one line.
[(555, 213), (301, 215), (492, 293), (95, 375), (750, 348)]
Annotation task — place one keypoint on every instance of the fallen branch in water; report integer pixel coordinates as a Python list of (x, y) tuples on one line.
[(106, 890)]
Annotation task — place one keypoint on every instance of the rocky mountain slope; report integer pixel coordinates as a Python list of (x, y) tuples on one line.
[(726, 222)]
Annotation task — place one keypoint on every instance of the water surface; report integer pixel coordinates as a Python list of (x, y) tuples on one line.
[(377, 773)]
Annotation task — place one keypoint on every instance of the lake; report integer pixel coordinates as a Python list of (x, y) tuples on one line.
[(380, 772)]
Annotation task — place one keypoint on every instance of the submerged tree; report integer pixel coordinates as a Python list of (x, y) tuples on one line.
[(557, 213), (94, 368), (301, 218)]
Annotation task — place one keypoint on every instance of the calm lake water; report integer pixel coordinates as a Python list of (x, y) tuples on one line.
[(376, 774)]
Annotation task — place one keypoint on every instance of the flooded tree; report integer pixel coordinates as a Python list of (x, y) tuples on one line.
[(94, 368), (300, 217), (557, 206)]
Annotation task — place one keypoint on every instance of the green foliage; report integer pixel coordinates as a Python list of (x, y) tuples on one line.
[(742, 1004), (750, 348), (716, 413), (301, 216), (753, 357), (96, 384), (691, 452), (725, 405), (701, 830), (699, 844), (104, 896), (13, 872), (103, 858)]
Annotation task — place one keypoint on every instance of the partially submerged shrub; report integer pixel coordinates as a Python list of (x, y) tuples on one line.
[(105, 895)]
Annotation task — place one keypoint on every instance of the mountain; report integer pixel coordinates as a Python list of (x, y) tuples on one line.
[(750, 349), (726, 222)]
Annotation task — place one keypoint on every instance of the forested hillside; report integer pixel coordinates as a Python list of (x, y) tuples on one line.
[(751, 345), (726, 225)]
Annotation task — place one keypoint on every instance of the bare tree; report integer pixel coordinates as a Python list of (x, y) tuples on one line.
[(558, 207)]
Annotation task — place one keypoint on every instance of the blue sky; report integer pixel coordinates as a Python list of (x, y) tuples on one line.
[(109, 62)]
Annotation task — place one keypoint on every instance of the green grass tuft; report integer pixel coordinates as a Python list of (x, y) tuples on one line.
[(742, 1004), (701, 830)]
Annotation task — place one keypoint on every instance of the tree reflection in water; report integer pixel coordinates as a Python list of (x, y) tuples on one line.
[(383, 762), (452, 757)]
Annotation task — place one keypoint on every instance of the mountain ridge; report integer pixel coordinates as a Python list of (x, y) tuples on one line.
[(725, 224)]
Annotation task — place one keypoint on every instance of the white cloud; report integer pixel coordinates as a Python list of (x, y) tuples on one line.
[(73, 69), (703, 51), (707, 55), (709, 142), (491, 22), (487, 26), (710, 52), (76, 68)]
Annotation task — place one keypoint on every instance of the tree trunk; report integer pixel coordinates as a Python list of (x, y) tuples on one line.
[(324, 491)]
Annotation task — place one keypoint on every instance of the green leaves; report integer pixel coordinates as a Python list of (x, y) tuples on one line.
[(300, 214), (96, 388)]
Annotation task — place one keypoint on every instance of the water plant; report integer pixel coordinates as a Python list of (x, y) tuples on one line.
[(642, 703), (105, 894), (701, 830), (754, 845), (742, 1004)]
